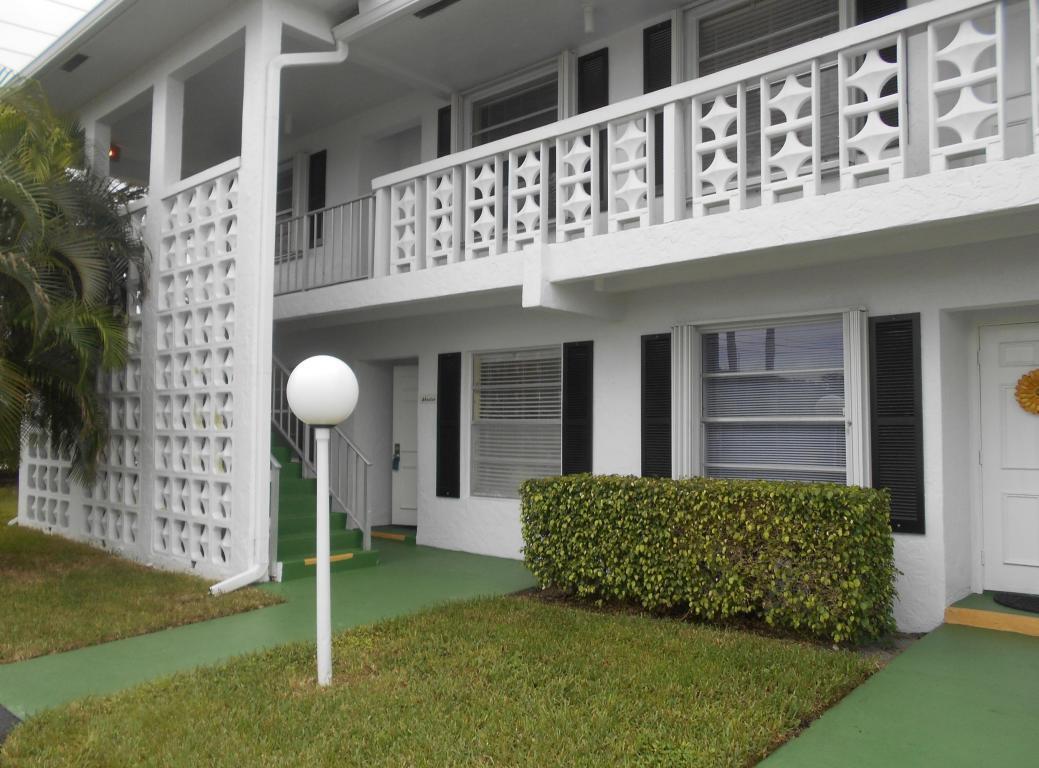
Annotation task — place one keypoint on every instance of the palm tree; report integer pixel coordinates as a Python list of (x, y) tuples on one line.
[(67, 256)]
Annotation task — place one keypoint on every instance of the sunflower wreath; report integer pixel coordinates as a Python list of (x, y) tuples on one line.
[(1027, 391)]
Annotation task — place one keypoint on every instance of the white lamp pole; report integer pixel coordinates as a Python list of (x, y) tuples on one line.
[(323, 575), (322, 391)]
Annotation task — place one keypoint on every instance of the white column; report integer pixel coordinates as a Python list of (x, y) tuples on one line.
[(254, 348), (98, 141)]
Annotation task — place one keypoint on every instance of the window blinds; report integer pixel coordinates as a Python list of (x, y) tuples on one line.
[(517, 419), (519, 109), (759, 28), (773, 401)]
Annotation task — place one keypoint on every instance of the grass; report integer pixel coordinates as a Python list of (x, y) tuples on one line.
[(56, 594), (511, 681)]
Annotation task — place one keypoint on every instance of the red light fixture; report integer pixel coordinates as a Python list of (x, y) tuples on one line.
[(114, 151)]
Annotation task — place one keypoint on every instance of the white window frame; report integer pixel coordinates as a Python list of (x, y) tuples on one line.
[(469, 411), (687, 399)]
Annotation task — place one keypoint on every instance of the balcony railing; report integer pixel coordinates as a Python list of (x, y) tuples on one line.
[(326, 247), (827, 115)]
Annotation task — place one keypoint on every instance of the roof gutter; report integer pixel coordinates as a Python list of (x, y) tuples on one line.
[(272, 114)]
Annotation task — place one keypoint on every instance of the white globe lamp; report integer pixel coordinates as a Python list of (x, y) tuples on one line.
[(322, 391)]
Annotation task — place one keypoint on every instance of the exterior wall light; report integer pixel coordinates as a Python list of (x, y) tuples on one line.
[(322, 391)]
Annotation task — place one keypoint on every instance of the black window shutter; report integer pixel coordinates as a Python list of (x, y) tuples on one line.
[(868, 10), (577, 407), (449, 424), (656, 74), (593, 80), (656, 56), (316, 181), (444, 131), (316, 176), (896, 416), (656, 405)]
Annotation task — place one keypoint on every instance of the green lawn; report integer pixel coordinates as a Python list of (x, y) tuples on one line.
[(511, 681), (56, 594)]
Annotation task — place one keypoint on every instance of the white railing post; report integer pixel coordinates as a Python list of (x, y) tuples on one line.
[(674, 162), (381, 263)]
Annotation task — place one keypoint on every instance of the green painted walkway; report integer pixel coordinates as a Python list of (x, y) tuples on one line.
[(407, 579), (958, 697)]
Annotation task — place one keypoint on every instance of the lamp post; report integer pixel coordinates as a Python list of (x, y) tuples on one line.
[(322, 391)]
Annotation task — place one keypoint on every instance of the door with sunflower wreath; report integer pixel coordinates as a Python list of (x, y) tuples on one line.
[(1010, 457)]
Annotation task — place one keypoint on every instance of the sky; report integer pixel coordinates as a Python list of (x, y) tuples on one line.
[(27, 27)]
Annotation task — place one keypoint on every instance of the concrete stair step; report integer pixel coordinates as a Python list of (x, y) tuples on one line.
[(303, 543)]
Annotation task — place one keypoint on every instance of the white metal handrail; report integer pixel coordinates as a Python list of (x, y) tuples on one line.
[(348, 466), (497, 197), (326, 247)]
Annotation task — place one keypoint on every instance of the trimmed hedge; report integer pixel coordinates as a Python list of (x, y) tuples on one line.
[(812, 558)]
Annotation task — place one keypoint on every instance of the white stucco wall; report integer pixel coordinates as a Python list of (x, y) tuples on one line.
[(987, 275)]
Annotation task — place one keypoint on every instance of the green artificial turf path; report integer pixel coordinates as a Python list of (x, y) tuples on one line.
[(407, 579), (506, 681), (959, 697)]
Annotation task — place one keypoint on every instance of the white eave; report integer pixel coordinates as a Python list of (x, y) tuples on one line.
[(64, 47), (379, 13)]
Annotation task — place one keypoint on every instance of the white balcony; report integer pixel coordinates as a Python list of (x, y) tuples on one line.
[(913, 94)]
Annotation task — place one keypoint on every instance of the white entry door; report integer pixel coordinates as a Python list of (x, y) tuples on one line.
[(1009, 460), (405, 445)]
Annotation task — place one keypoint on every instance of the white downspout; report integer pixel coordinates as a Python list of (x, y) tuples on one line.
[(272, 115)]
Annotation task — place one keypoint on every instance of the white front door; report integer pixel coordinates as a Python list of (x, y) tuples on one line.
[(1009, 460), (405, 445)]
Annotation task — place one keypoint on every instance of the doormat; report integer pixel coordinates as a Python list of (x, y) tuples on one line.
[(1018, 601), (7, 723)]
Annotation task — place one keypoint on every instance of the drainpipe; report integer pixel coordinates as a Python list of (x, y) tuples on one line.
[(267, 225)]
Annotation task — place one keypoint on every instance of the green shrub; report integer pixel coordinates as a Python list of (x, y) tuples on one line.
[(816, 559)]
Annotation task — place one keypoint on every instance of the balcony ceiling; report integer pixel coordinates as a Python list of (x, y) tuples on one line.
[(475, 41)]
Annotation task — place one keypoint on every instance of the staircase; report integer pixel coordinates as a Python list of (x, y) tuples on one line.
[(297, 498), (291, 461)]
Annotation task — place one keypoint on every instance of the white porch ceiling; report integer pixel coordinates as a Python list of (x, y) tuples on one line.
[(502, 35)]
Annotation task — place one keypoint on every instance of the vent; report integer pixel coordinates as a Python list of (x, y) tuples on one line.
[(73, 63), (429, 10)]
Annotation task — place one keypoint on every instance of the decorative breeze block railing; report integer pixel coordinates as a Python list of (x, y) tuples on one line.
[(719, 151), (965, 61), (577, 185), (630, 174), (828, 115), (872, 109), (194, 400)]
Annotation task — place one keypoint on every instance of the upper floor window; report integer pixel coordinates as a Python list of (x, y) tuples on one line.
[(518, 108), (755, 29)]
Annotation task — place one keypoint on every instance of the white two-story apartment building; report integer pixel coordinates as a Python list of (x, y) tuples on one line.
[(788, 239)]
